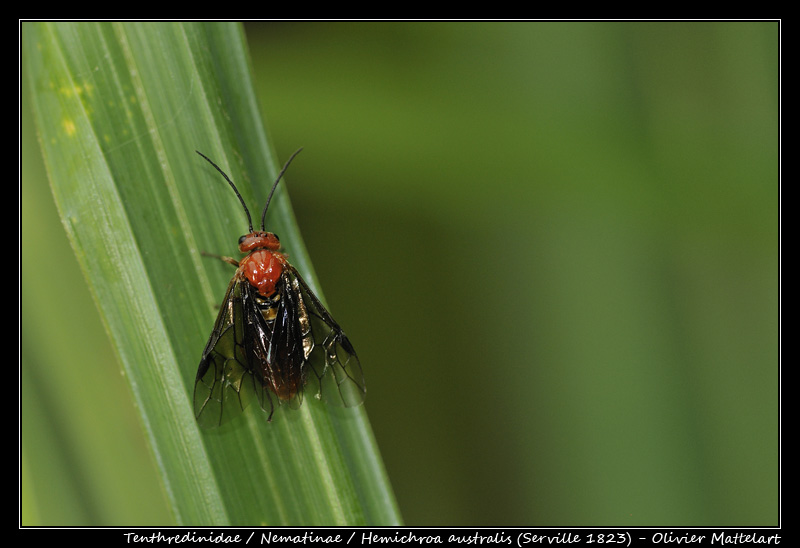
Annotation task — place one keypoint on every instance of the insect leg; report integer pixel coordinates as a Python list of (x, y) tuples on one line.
[(229, 260)]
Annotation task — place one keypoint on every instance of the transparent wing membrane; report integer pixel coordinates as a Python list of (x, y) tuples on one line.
[(270, 349)]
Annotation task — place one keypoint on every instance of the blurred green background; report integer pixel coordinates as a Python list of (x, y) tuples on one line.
[(554, 245)]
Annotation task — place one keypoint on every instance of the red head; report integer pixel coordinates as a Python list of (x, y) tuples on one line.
[(259, 240)]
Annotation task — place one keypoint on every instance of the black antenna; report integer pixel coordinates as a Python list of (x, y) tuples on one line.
[(271, 192), (233, 186)]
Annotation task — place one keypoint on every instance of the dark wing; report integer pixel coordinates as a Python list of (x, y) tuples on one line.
[(331, 364), (225, 382), (264, 347), (256, 350), (273, 344)]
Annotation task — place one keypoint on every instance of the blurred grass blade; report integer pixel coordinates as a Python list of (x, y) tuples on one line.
[(120, 109)]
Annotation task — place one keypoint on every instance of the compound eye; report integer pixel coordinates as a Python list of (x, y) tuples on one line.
[(249, 242)]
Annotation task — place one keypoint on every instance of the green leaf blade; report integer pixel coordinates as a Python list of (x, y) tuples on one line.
[(120, 109)]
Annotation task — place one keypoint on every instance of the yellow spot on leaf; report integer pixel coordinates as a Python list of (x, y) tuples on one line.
[(69, 127)]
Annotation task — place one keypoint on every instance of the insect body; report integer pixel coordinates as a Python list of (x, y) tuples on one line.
[(272, 337)]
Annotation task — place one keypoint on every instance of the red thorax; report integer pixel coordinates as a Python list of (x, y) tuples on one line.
[(263, 265)]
